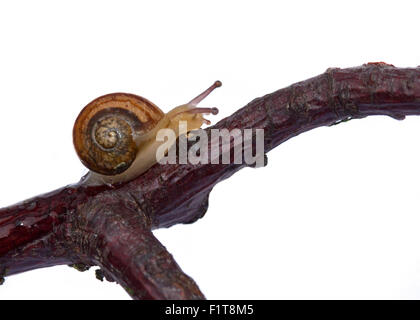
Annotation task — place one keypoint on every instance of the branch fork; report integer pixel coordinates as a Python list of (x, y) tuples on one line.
[(111, 226)]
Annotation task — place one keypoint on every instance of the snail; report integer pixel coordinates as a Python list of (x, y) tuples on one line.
[(115, 134)]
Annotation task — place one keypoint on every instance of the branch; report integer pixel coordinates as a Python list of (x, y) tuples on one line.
[(110, 226), (116, 235)]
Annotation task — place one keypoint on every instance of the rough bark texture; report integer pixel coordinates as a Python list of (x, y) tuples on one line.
[(110, 226)]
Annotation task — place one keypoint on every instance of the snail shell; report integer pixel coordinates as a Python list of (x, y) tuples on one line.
[(109, 130)]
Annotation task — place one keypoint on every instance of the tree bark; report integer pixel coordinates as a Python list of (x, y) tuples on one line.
[(110, 226)]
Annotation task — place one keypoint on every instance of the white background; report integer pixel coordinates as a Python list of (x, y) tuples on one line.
[(335, 214)]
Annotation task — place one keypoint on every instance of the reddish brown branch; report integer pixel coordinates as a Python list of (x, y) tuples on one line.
[(110, 226)]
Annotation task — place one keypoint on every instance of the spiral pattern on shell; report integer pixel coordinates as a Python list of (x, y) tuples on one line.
[(105, 130)]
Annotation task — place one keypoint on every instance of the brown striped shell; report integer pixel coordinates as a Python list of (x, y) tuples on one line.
[(105, 132)]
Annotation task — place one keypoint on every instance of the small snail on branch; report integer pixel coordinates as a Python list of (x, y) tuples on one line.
[(115, 134)]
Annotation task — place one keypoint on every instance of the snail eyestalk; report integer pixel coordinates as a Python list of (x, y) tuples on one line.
[(190, 110), (202, 111), (212, 111), (205, 93)]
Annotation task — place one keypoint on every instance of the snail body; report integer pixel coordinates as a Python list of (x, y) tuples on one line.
[(115, 134)]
